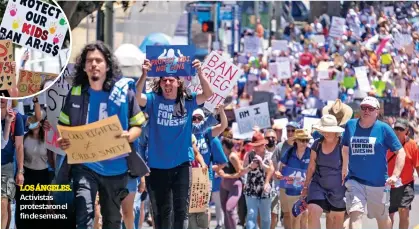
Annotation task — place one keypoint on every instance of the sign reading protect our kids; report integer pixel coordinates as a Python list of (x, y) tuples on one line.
[(171, 60), (34, 24)]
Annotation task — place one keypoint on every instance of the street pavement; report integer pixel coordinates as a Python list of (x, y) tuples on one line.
[(367, 223)]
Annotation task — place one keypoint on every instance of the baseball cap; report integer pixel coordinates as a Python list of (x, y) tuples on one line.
[(371, 101), (198, 112), (401, 123), (294, 125)]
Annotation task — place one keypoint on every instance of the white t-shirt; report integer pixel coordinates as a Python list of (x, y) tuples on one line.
[(35, 154)]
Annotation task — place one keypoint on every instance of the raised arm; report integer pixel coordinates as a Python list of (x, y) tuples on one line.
[(208, 122), (141, 97), (206, 89), (218, 129)]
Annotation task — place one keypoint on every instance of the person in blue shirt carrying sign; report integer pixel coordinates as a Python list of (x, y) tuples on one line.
[(366, 141), (170, 107)]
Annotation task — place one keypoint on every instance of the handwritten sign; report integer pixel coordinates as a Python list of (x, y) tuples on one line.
[(171, 60), (200, 191), (95, 142), (36, 25), (222, 75), (30, 82), (337, 28), (328, 90), (251, 45), (55, 97), (251, 116), (7, 73)]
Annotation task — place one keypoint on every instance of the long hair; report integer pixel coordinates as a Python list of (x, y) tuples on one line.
[(155, 86), (41, 134), (112, 75)]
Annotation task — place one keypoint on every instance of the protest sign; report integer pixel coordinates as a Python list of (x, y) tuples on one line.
[(171, 60), (255, 115), (200, 191), (309, 122), (293, 178), (284, 70), (7, 73), (414, 92), (280, 45), (337, 28), (36, 25), (361, 76), (30, 82), (389, 11), (237, 134), (251, 45), (55, 97), (319, 39), (391, 106), (329, 90), (279, 90), (94, 142), (274, 69), (264, 96), (323, 70), (222, 75)]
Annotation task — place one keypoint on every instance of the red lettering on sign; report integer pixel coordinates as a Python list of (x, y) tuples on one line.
[(3, 50), (214, 59), (35, 31)]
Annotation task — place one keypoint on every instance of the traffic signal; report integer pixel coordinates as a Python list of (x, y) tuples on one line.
[(207, 26)]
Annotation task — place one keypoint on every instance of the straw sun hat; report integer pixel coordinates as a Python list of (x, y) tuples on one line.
[(328, 124), (302, 134), (341, 111)]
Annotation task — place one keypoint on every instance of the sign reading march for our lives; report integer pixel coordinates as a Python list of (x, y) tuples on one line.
[(171, 60), (293, 178), (251, 116), (35, 24)]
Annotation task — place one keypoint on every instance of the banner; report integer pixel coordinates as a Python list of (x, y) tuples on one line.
[(30, 82), (255, 115), (35, 25), (7, 73), (222, 75), (171, 60), (337, 28), (293, 178), (55, 97), (200, 191), (94, 142)]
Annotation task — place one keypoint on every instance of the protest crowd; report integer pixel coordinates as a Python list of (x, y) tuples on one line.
[(324, 121)]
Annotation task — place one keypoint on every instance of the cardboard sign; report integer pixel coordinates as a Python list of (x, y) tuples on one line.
[(35, 25), (55, 97), (280, 45), (337, 28), (30, 82), (251, 45), (329, 90), (255, 115), (222, 75), (200, 191), (171, 60), (7, 73), (96, 141)]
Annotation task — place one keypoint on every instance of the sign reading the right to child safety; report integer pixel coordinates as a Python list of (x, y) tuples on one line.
[(200, 191), (30, 82), (36, 25), (222, 75), (7, 73), (249, 117), (94, 142), (171, 60)]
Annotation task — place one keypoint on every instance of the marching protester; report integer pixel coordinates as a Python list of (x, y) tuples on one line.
[(401, 198), (323, 186), (258, 190), (365, 142), (170, 109), (97, 76), (297, 157), (9, 117)]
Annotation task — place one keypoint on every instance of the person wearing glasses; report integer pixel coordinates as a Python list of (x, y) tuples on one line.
[(402, 197), (297, 157), (366, 141), (280, 149)]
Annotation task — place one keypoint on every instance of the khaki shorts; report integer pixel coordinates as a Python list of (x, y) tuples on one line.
[(358, 196), (287, 201), (8, 188), (276, 207)]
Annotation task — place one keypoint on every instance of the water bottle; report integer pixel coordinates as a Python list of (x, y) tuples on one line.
[(386, 196)]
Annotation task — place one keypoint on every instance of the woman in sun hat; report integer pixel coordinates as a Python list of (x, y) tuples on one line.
[(324, 181), (297, 157)]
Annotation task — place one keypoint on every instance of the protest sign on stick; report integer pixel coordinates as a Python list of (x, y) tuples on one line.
[(251, 116), (7, 73), (222, 75), (94, 142), (36, 25), (200, 191), (171, 60), (30, 82), (337, 28)]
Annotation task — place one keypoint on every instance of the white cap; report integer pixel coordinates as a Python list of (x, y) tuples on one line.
[(198, 112), (350, 91), (371, 101)]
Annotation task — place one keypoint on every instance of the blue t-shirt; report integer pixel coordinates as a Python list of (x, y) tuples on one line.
[(8, 153), (295, 162), (367, 151), (98, 103), (170, 138)]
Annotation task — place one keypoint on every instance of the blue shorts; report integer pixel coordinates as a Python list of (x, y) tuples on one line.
[(132, 185)]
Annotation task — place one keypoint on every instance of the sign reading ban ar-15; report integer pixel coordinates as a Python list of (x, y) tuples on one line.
[(251, 116)]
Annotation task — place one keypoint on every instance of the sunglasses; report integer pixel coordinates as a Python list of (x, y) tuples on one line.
[(303, 140), (399, 129), (370, 109), (267, 138), (290, 130), (197, 118)]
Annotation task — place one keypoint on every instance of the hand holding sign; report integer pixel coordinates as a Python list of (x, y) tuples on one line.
[(146, 66), (197, 65), (64, 143)]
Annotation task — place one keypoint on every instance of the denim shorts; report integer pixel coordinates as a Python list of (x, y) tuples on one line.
[(8, 188), (132, 185)]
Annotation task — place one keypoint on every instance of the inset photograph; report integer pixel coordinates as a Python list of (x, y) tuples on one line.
[(35, 43)]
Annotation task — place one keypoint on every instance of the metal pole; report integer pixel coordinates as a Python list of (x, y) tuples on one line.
[(278, 16), (233, 29), (271, 16), (216, 13), (87, 30), (189, 27), (109, 24), (100, 25), (256, 6)]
